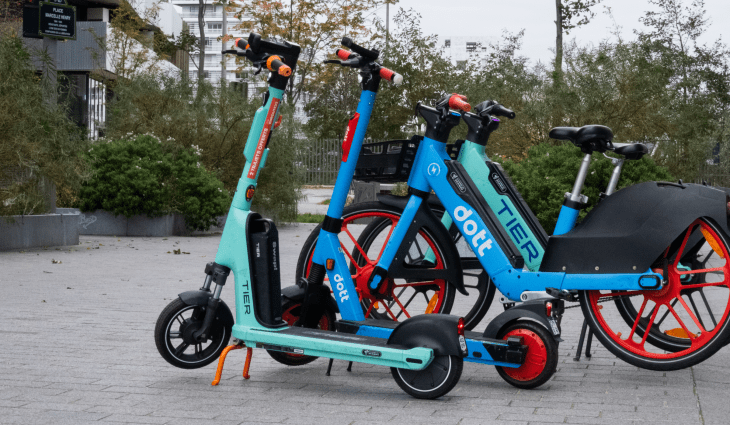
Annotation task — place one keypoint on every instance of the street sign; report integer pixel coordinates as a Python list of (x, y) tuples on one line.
[(57, 20)]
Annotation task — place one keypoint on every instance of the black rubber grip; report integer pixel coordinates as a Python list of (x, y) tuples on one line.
[(501, 111), (241, 44), (366, 53)]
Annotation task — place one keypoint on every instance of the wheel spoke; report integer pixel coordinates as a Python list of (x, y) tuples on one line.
[(648, 327), (717, 269), (180, 348), (179, 319), (691, 315), (690, 229), (347, 253), (697, 313), (666, 313), (389, 312), (357, 245), (707, 305), (638, 317), (174, 335), (402, 308), (681, 323), (704, 285), (406, 304)]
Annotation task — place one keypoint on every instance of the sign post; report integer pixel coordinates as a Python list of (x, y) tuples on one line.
[(57, 20)]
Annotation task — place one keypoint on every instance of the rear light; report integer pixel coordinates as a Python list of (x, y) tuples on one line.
[(549, 309), (460, 327)]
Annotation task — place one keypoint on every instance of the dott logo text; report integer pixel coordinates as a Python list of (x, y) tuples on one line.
[(461, 214), (341, 287)]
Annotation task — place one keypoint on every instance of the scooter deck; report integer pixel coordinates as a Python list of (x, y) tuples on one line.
[(334, 345), (481, 350)]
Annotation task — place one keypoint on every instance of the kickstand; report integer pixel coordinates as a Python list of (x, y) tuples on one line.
[(222, 360), (580, 342), (329, 367), (349, 367)]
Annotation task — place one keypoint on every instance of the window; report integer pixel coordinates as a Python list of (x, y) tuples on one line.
[(447, 43), (193, 9), (208, 41), (471, 46), (215, 26)]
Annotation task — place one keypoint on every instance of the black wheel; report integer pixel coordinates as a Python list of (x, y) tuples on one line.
[(428, 296), (679, 325), (291, 311), (436, 380), (541, 360), (174, 335)]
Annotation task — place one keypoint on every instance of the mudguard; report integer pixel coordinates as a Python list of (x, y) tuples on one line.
[(530, 310), (436, 331), (629, 230), (424, 218), (296, 293), (200, 298)]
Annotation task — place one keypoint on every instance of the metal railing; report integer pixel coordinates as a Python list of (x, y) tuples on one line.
[(320, 161)]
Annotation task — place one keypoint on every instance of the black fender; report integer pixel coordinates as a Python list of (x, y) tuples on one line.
[(200, 298), (530, 310), (425, 218), (438, 332), (296, 293), (628, 231)]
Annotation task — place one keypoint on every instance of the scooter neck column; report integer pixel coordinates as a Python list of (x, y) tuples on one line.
[(347, 168), (580, 179)]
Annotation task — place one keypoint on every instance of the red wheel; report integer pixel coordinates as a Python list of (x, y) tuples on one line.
[(541, 359), (364, 243), (290, 314), (682, 323)]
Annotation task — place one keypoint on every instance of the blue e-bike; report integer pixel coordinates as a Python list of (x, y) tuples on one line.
[(676, 233), (425, 353)]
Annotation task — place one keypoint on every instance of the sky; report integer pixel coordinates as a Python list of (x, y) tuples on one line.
[(486, 18)]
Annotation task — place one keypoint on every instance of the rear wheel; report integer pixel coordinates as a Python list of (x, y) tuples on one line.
[(435, 380), (682, 323), (541, 359), (291, 311)]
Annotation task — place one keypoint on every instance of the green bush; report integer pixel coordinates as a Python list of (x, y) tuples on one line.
[(549, 172), (143, 175)]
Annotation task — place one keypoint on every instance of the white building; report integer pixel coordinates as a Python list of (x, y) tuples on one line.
[(463, 48)]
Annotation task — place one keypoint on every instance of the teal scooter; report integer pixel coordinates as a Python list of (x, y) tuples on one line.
[(425, 353)]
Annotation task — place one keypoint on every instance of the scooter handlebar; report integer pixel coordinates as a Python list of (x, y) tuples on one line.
[(391, 76), (458, 102), (501, 111), (366, 53), (275, 64)]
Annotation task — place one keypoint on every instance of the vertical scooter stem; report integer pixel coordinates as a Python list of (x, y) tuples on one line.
[(571, 207)]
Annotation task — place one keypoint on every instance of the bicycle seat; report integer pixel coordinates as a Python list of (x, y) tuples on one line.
[(631, 150), (589, 138)]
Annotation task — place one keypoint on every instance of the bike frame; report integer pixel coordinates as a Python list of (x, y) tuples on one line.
[(434, 170)]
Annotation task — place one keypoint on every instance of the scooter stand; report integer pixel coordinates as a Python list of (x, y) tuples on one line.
[(222, 360), (329, 367)]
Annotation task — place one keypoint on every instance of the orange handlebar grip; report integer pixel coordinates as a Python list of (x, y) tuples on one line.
[(458, 101), (391, 76), (284, 71), (343, 54)]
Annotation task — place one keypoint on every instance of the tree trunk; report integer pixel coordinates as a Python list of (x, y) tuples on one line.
[(558, 41), (201, 26)]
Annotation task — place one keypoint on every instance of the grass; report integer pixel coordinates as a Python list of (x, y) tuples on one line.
[(325, 202), (310, 218)]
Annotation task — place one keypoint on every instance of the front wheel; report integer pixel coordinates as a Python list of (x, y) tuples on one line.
[(679, 325), (174, 338), (541, 359), (435, 380)]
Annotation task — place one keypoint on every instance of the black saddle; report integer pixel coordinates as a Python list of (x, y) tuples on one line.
[(589, 138), (631, 150)]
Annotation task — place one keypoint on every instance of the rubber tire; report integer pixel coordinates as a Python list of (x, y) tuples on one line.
[(551, 350), (475, 315), (297, 360), (165, 317), (448, 382), (652, 364)]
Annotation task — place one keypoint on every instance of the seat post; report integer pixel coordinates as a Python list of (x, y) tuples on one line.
[(613, 182), (580, 179)]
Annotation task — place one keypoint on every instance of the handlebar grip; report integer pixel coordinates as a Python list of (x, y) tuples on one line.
[(240, 43), (391, 76), (457, 101), (501, 111), (344, 54), (275, 64), (370, 54)]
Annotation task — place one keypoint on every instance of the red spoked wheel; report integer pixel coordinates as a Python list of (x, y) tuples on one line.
[(541, 359), (291, 311), (682, 323), (363, 249)]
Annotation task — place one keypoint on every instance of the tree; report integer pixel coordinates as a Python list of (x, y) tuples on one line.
[(569, 14), (317, 26)]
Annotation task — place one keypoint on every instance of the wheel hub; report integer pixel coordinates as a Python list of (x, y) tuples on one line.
[(536, 357), (188, 329)]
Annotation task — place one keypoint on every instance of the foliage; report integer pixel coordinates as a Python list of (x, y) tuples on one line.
[(569, 14), (39, 146), (548, 172), (217, 119), (317, 26), (310, 218), (142, 175)]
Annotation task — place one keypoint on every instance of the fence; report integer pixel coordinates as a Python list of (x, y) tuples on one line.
[(320, 161), (713, 175)]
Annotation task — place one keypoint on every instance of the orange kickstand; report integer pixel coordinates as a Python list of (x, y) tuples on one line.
[(249, 354), (222, 359)]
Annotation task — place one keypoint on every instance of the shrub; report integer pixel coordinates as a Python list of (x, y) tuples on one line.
[(143, 175), (549, 172)]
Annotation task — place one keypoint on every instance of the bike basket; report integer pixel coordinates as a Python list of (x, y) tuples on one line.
[(387, 162)]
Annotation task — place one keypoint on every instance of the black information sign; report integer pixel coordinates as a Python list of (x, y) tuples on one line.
[(57, 20)]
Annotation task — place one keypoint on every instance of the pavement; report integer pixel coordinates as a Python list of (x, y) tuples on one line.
[(77, 329)]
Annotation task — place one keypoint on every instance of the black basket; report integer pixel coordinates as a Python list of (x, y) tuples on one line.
[(387, 162)]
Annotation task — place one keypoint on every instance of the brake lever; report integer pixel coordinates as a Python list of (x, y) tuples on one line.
[(335, 61), (258, 70)]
